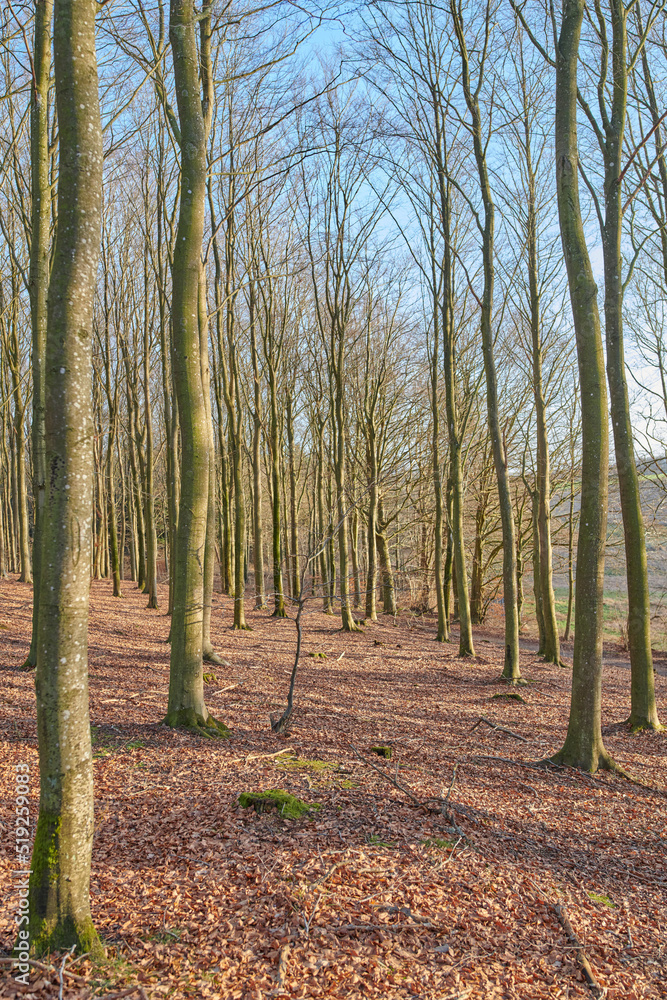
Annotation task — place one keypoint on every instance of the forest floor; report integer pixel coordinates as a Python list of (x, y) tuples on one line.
[(371, 895)]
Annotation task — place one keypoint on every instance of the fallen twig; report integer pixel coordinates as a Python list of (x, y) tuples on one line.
[(261, 756), (564, 921), (123, 993), (582, 958), (442, 803), (61, 981), (282, 965), (45, 968), (388, 777), (493, 725)]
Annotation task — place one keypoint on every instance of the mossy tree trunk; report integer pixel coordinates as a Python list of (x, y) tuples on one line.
[(643, 707), (583, 747), (59, 884)]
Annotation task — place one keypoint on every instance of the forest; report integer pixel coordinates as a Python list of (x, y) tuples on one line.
[(333, 465)]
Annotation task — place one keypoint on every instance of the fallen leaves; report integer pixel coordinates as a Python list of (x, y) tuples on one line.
[(372, 895)]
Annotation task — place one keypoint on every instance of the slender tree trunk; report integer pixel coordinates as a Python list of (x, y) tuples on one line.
[(186, 687), (387, 575), (442, 634), (39, 283), (208, 652), (278, 596), (149, 504), (583, 747), (294, 506), (511, 671), (537, 565), (643, 707), (550, 641), (59, 884)]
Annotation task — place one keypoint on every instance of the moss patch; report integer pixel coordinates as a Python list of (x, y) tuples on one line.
[(287, 805), (514, 695), (300, 763), (382, 751), (318, 656)]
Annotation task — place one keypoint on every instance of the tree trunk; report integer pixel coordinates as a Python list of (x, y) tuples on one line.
[(59, 883), (186, 687), (388, 590), (511, 671), (39, 283), (583, 747), (643, 708)]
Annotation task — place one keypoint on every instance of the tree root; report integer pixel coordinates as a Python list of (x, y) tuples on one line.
[(640, 724), (188, 719), (511, 681), (212, 657)]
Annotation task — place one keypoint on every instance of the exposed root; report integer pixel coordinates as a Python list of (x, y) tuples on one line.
[(188, 719), (641, 724), (512, 681), (212, 657)]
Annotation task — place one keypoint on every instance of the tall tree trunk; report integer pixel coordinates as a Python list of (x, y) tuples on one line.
[(39, 283), (186, 686), (442, 634), (643, 707), (59, 883), (550, 641), (511, 671), (149, 496), (583, 747), (276, 453), (294, 505), (208, 652)]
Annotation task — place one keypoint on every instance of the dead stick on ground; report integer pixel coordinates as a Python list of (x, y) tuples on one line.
[(582, 958), (388, 777), (563, 919), (261, 756), (282, 965), (406, 791), (493, 725)]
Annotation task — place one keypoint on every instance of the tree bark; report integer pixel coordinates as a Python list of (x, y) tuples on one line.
[(186, 687), (511, 671), (583, 747), (59, 883), (39, 283)]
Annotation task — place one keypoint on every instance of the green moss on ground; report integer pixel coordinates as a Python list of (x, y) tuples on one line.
[(288, 806), (300, 763)]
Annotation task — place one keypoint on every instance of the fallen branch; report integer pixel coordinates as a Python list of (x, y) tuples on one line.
[(45, 968), (501, 729), (392, 781), (123, 993), (563, 919), (442, 803), (261, 756)]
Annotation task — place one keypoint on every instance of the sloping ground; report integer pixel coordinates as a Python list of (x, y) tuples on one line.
[(371, 895)]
